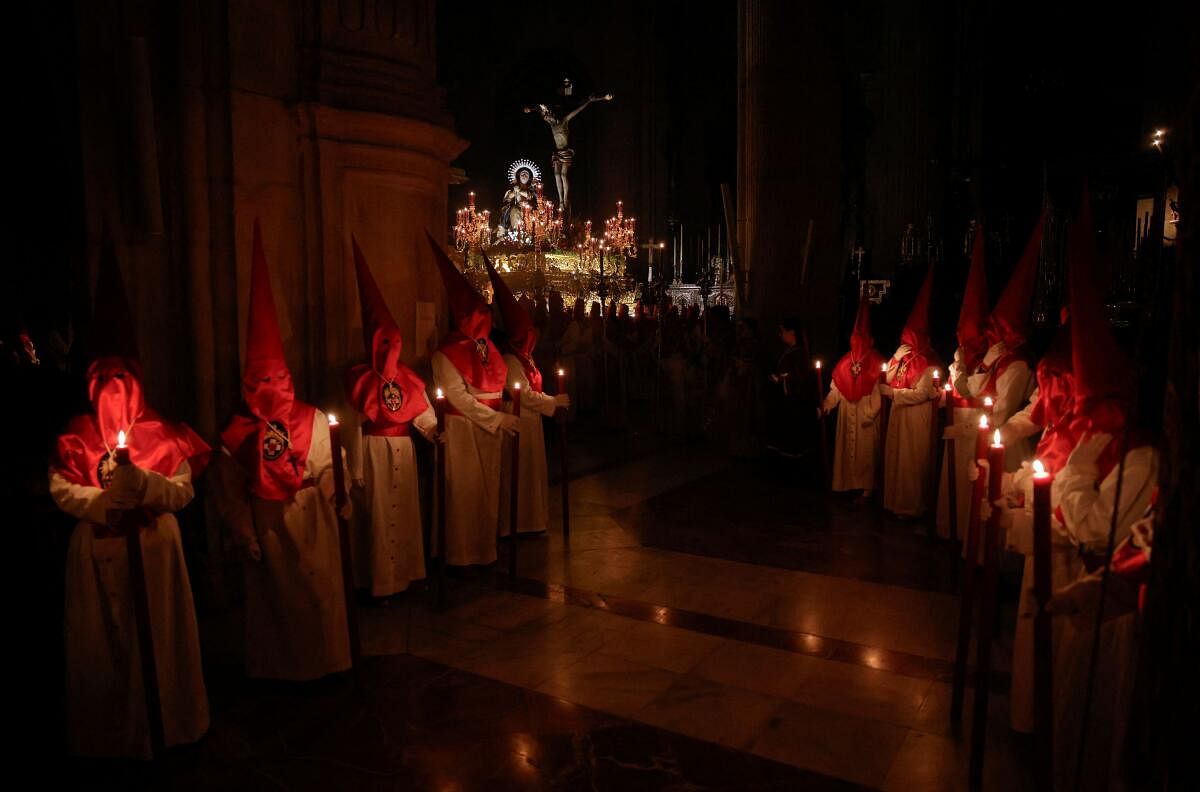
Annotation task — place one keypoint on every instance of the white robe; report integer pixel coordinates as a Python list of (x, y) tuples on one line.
[(964, 431), (907, 451), (534, 487), (1014, 388), (473, 446), (856, 445), (391, 530), (295, 603), (106, 710), (1087, 512)]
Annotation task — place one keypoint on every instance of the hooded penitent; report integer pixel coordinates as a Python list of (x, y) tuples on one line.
[(1103, 373), (522, 336), (972, 317), (271, 434), (857, 372), (468, 346), (1052, 411), (1009, 321), (388, 393), (84, 454), (916, 335)]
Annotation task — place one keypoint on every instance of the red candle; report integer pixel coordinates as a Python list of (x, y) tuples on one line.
[(562, 385), (937, 380), (981, 439), (515, 393), (820, 382), (883, 367), (988, 404), (948, 401), (995, 469), (1043, 692), (439, 409)]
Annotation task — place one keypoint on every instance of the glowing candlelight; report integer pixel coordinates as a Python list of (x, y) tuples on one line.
[(121, 439), (883, 367), (333, 421), (946, 387), (996, 442), (983, 422), (988, 402), (1039, 470), (817, 364)]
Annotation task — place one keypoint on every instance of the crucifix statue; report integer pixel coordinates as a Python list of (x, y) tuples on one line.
[(563, 153)]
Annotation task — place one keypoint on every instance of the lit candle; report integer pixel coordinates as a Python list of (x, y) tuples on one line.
[(122, 454), (516, 399), (335, 447), (1043, 713), (988, 403), (996, 468), (439, 410), (981, 440), (883, 367), (562, 375), (948, 394)]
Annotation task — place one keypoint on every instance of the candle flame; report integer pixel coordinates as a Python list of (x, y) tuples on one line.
[(883, 367), (121, 439), (440, 395), (516, 386), (996, 438), (561, 372), (987, 401), (332, 419), (817, 364), (936, 374), (983, 422), (1039, 469)]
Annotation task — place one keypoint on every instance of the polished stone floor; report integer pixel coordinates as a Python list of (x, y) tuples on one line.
[(711, 625)]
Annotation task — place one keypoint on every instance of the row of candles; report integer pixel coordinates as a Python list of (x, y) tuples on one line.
[(1041, 477)]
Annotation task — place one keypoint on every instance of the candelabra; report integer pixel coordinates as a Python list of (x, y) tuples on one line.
[(620, 233), (543, 223), (472, 229)]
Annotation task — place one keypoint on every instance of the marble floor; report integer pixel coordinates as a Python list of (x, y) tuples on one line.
[(710, 625)]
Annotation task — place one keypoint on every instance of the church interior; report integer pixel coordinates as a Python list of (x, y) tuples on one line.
[(419, 395)]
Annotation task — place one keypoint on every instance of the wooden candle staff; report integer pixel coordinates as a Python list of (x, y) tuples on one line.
[(1043, 685), (987, 615), (825, 472), (131, 522), (514, 510), (339, 502), (566, 478), (969, 579), (951, 462), (439, 494)]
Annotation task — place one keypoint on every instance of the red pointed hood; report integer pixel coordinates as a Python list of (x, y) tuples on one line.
[(518, 325), (973, 314), (522, 336), (266, 382), (1009, 321), (271, 437), (857, 372), (916, 329), (1103, 372), (381, 334), (467, 308)]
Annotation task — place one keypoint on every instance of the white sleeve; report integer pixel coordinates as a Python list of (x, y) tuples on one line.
[(1012, 389), (922, 391), (454, 387), (1021, 424), (426, 422), (165, 494), (530, 399), (79, 500), (320, 451), (1087, 510), (833, 399)]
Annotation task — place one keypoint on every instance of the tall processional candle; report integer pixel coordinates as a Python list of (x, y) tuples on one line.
[(1043, 684), (969, 577), (439, 494), (564, 484), (514, 510), (987, 614), (121, 457), (439, 410), (339, 500)]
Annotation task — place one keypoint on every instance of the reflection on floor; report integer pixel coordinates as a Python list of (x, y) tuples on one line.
[(708, 627)]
